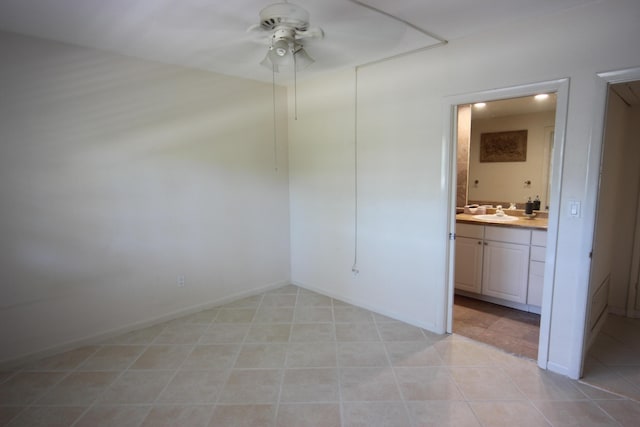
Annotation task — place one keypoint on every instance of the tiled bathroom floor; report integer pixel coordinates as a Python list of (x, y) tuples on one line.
[(514, 331), (291, 357), (613, 361)]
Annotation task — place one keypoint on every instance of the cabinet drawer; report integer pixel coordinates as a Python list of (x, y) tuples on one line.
[(538, 238), (538, 253), (469, 230), (508, 235)]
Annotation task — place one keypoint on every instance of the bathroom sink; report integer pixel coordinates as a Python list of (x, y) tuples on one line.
[(494, 217)]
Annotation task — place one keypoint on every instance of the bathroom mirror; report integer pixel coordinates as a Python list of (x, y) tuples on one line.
[(504, 150)]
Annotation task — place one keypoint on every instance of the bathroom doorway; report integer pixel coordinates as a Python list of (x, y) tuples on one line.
[(510, 321), (521, 183)]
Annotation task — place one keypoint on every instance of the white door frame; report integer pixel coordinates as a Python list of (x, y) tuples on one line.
[(561, 88)]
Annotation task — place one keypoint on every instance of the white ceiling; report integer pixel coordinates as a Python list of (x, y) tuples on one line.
[(211, 34), (514, 106)]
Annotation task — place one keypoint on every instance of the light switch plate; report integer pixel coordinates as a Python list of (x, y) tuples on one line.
[(574, 208)]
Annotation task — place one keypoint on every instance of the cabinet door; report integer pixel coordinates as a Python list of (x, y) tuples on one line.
[(505, 271), (536, 283), (468, 268)]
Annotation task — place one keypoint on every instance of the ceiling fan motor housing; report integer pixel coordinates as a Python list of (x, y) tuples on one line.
[(285, 15), (282, 37)]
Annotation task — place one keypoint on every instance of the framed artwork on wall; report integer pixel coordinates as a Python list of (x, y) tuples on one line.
[(509, 146)]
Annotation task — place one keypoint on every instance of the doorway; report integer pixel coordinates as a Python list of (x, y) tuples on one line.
[(611, 332), (489, 307), (560, 88)]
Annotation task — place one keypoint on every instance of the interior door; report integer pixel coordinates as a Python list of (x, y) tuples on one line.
[(603, 237), (634, 293)]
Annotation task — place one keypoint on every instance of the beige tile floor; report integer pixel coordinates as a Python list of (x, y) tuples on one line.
[(613, 361), (291, 357)]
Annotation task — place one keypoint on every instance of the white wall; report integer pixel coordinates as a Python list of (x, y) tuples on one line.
[(403, 198), (116, 176), (396, 194), (504, 181)]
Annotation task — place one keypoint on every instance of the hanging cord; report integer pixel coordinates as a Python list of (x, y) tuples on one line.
[(275, 134), (441, 41), (355, 268), (403, 21), (295, 86)]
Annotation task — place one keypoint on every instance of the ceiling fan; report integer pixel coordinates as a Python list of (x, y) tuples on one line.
[(288, 25)]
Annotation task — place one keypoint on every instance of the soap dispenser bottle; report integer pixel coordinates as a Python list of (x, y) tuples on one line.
[(528, 207), (536, 204)]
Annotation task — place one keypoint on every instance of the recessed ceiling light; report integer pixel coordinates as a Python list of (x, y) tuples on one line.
[(480, 105), (541, 96)]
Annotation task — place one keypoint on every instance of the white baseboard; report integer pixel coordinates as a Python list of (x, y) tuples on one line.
[(102, 336), (634, 314), (558, 369), (617, 311), (379, 310)]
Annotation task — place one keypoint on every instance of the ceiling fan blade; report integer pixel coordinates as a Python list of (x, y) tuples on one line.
[(256, 27), (314, 32)]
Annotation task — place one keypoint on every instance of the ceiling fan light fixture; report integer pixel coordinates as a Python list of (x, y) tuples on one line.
[(279, 48), (279, 60), (302, 59), (266, 63)]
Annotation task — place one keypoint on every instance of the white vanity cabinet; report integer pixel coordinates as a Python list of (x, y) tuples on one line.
[(495, 263)]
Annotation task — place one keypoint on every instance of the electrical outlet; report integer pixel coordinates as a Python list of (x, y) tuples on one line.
[(181, 281), (355, 270)]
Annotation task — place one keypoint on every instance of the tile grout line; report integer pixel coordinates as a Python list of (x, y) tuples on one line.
[(32, 404), (235, 360), (175, 374), (529, 401), (607, 412), (338, 367), (175, 371), (121, 374), (448, 367), (92, 404), (286, 358), (393, 371)]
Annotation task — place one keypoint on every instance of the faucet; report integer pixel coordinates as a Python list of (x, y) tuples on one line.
[(499, 211)]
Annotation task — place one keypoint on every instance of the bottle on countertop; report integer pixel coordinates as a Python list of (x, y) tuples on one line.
[(536, 204), (528, 207)]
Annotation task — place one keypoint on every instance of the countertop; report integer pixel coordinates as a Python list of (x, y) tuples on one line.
[(535, 223)]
